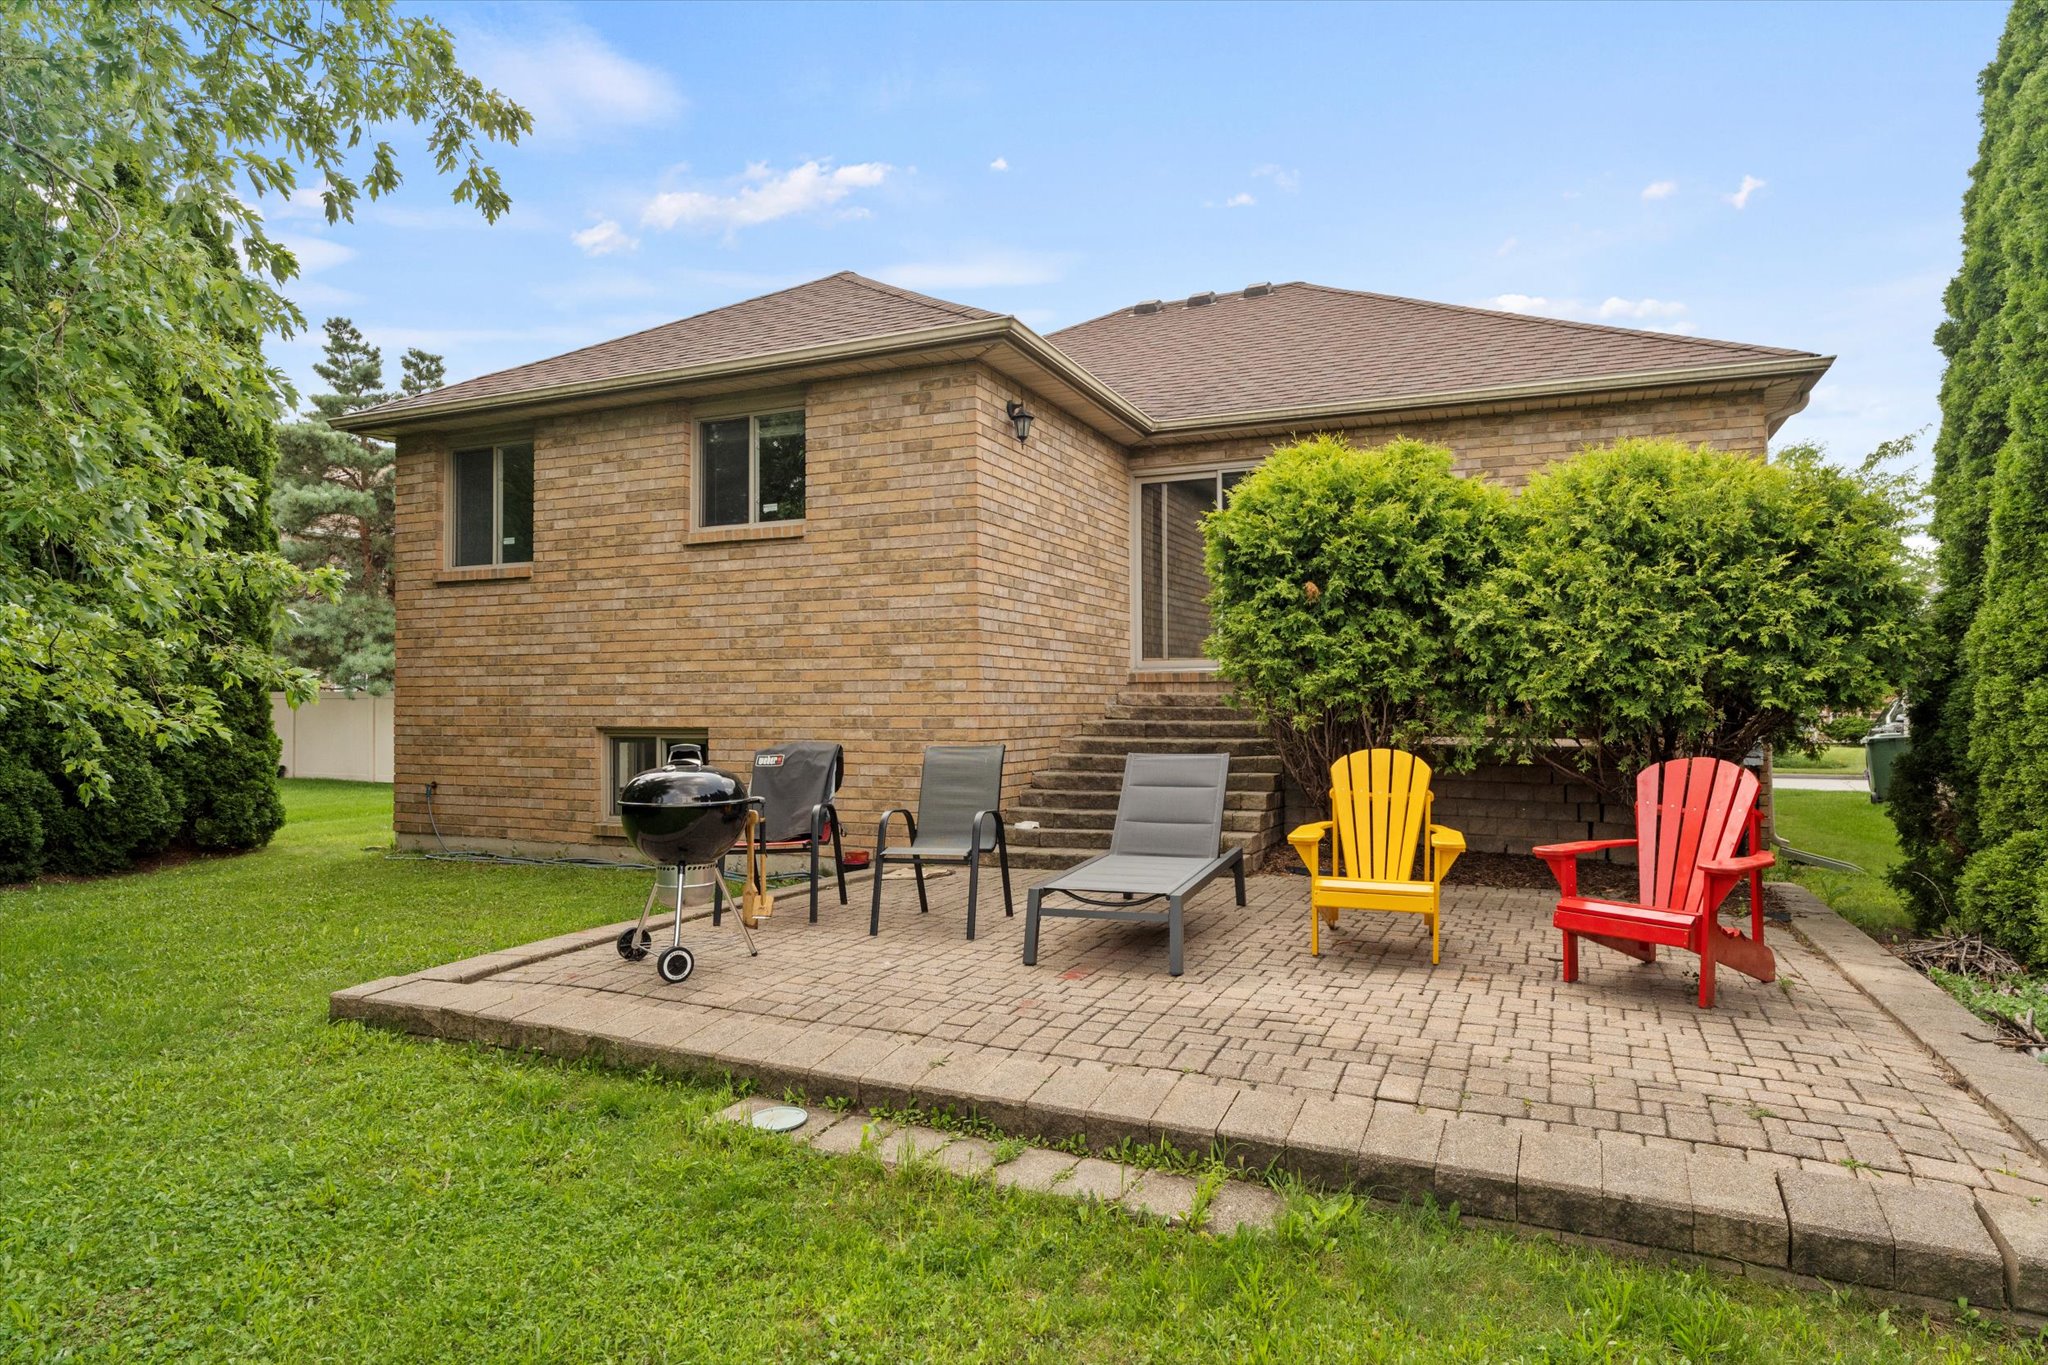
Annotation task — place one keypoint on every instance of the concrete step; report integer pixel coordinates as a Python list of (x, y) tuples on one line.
[(1110, 727), (1075, 846), (1145, 696), (1087, 791), (1120, 745), (1182, 711), (1068, 818), (1104, 773), (1112, 761)]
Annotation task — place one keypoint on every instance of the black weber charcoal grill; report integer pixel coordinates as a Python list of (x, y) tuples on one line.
[(686, 816)]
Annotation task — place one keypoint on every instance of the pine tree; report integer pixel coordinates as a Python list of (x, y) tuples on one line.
[(334, 506), (1934, 796)]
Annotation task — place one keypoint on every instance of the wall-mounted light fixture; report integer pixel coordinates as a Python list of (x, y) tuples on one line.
[(1020, 419)]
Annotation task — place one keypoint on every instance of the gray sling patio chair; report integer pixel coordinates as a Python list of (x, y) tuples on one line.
[(1169, 822), (959, 818)]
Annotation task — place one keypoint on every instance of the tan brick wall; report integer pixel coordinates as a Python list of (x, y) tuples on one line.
[(1053, 550), (1509, 447), (862, 629), (947, 585)]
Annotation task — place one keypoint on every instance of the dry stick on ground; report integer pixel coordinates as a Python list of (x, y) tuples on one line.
[(1969, 955), (1963, 954)]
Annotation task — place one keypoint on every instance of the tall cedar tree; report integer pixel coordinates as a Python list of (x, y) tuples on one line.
[(2004, 888), (1986, 393), (1933, 797), (334, 507)]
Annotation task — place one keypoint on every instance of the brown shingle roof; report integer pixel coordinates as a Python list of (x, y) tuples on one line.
[(842, 307), (1293, 348), (1307, 346)]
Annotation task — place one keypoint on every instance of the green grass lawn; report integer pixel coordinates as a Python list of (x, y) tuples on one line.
[(195, 1164), (1850, 827), (1836, 758)]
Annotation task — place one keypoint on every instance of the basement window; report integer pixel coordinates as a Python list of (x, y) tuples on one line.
[(629, 754), (750, 470), (493, 505)]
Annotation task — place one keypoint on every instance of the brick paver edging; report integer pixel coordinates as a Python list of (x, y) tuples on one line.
[(2012, 1086), (1140, 1192), (1929, 1241)]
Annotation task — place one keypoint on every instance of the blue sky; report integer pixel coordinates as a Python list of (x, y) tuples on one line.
[(1783, 174)]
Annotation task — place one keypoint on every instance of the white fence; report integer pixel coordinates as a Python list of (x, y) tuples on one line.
[(337, 734)]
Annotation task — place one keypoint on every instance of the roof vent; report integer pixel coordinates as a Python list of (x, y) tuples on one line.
[(1198, 300), (1148, 306), (1257, 291)]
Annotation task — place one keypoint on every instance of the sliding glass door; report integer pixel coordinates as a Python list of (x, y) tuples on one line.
[(1173, 617)]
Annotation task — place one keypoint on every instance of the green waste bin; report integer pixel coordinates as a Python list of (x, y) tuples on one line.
[(1881, 749)]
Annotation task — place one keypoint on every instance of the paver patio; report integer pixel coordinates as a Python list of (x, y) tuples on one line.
[(1805, 1071), (1367, 1056)]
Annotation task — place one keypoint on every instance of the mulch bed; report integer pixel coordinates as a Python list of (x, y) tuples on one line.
[(1526, 872)]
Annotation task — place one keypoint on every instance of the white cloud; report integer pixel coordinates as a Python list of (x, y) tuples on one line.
[(1001, 163), (1281, 177), (1750, 185), (315, 254), (767, 195), (1505, 247), (604, 239), (982, 270), (570, 78), (1660, 189), (1639, 308), (1240, 200), (1610, 309), (305, 203)]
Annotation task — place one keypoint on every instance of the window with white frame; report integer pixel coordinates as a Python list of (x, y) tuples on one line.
[(628, 754), (750, 469), (493, 505)]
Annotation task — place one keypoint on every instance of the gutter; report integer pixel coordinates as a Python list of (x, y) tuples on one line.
[(1035, 348)]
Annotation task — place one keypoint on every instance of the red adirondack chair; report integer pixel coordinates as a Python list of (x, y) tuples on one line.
[(1690, 815)]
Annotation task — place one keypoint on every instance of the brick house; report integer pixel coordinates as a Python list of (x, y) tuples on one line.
[(811, 515)]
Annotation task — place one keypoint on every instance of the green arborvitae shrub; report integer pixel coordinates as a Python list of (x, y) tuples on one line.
[(1333, 571), (229, 788), (2003, 895), (28, 804), (1993, 304), (139, 816), (231, 797), (1664, 601)]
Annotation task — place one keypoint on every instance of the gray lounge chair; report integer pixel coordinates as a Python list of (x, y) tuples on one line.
[(1169, 822), (959, 818)]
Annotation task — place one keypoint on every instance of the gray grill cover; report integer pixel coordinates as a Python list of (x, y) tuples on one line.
[(960, 780), (791, 779)]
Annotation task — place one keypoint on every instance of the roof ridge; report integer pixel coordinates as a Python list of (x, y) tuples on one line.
[(1533, 319), (965, 310), (1537, 319)]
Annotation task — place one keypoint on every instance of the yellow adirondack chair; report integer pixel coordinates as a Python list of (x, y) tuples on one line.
[(1381, 806)]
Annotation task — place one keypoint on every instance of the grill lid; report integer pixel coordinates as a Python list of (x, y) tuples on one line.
[(682, 781)]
